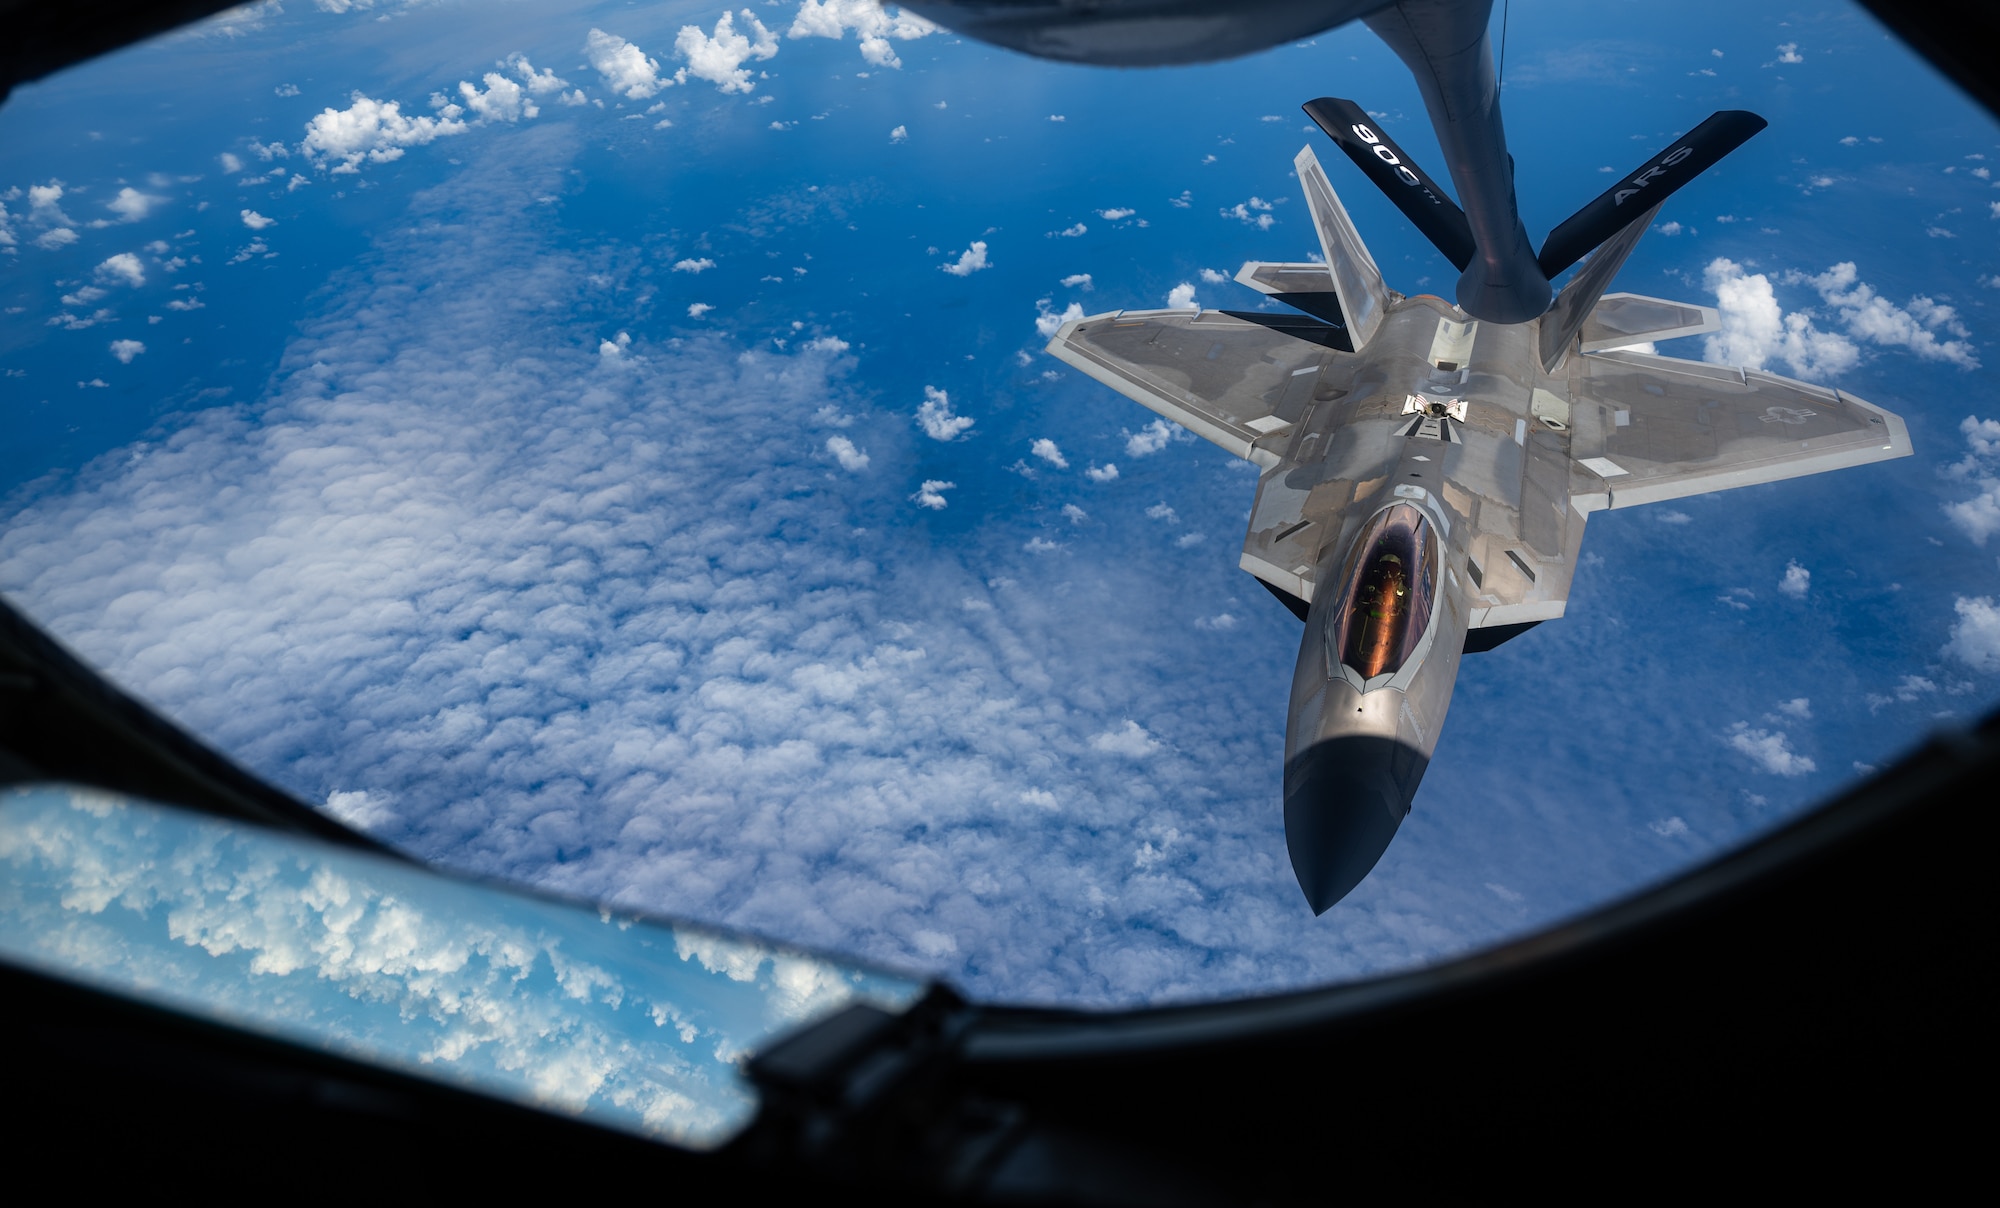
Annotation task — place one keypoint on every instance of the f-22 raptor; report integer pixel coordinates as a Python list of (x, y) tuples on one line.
[(1427, 475)]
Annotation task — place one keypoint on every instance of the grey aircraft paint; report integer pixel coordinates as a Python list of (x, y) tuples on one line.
[(1427, 474)]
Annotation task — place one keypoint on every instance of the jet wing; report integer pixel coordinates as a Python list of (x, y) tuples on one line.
[(1650, 428), (1238, 381)]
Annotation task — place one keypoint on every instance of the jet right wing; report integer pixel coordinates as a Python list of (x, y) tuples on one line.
[(1239, 381), (1649, 428)]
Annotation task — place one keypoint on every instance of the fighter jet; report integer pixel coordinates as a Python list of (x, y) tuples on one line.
[(1427, 474)]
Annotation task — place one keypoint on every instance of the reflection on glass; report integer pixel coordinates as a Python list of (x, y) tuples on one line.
[(1388, 589), (625, 1023)]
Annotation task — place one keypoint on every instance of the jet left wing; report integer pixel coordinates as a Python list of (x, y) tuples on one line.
[(1238, 381), (1650, 428)]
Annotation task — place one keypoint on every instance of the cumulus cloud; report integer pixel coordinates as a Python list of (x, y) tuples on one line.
[(1049, 321), (1046, 449), (1074, 514), (931, 494), (1796, 582), (1116, 213), (1129, 740), (1181, 297), (1788, 52), (969, 261), (131, 205), (1975, 637), (844, 451), (1756, 331), (1256, 212), (1873, 318), (900, 134), (625, 69), (719, 57), (935, 417), (1104, 473), (873, 25), (1978, 517), (1152, 438), (125, 350), (1077, 281), (122, 269), (1072, 232), (256, 221), (698, 309), (1770, 750), (60, 237), (502, 101), (701, 265), (372, 130)]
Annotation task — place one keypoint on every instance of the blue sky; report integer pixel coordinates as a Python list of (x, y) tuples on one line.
[(585, 497)]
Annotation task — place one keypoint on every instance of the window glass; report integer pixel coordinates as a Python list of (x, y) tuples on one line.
[(628, 1023), (611, 447), (1387, 593)]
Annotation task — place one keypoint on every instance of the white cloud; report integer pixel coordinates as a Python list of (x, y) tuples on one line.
[(125, 350), (931, 494), (1214, 276), (538, 83), (614, 349), (1116, 213), (58, 238), (1788, 52), (1181, 297), (1975, 638), (844, 451), (256, 221), (231, 165), (286, 90), (970, 261), (1798, 707), (698, 309), (701, 265), (1797, 581), (900, 134), (376, 131), (934, 416), (1074, 514), (1046, 449), (1770, 750), (1057, 117), (1978, 517), (503, 100), (1162, 512), (1041, 545), (1669, 828), (1756, 331), (131, 205), (1256, 212), (122, 269), (1072, 232), (1152, 438), (1048, 321), (1104, 473), (872, 23), (1670, 229), (719, 58), (1874, 318), (1129, 740), (625, 68), (1077, 281)]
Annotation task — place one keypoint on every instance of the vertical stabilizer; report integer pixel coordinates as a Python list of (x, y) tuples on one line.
[(1574, 304), (1364, 300)]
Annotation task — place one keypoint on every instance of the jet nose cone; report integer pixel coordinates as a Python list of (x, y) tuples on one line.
[(1344, 799)]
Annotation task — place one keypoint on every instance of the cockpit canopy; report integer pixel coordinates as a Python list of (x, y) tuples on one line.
[(1387, 592)]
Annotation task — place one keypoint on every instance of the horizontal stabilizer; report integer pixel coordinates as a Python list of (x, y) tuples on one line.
[(1622, 320), (1695, 152), (1382, 161), (1307, 287)]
